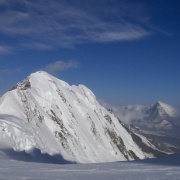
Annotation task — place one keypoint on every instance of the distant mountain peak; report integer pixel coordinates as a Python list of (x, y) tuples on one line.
[(158, 103), (159, 121), (168, 109)]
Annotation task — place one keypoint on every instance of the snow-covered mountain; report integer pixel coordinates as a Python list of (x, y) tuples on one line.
[(159, 115), (47, 114), (159, 122), (160, 110)]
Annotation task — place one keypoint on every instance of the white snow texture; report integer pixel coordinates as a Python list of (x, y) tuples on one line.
[(152, 169), (45, 113)]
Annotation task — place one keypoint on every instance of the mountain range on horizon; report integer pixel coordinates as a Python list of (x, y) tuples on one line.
[(46, 115), (135, 114), (159, 121)]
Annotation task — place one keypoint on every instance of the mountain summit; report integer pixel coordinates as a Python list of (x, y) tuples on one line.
[(160, 110), (47, 114)]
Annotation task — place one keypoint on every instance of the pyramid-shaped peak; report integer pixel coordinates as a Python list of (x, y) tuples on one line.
[(42, 78), (158, 103), (43, 81), (168, 109)]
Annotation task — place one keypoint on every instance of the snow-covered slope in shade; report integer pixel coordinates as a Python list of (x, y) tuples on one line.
[(45, 113)]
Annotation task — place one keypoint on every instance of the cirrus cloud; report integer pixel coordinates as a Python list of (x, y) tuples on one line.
[(5, 49), (55, 24)]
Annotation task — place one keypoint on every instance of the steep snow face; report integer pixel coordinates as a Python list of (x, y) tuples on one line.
[(45, 113)]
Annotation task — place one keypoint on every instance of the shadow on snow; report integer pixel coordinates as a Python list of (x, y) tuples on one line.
[(35, 156), (172, 160)]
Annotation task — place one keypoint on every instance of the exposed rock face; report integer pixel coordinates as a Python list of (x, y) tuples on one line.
[(25, 84)]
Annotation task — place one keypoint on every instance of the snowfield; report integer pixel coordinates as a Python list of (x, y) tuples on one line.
[(151, 169)]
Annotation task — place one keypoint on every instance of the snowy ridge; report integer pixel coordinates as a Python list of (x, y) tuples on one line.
[(45, 113)]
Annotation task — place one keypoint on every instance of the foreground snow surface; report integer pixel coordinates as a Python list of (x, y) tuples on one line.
[(163, 168)]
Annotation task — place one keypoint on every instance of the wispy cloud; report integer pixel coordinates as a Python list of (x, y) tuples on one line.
[(54, 24), (5, 49), (59, 66), (127, 114), (10, 71)]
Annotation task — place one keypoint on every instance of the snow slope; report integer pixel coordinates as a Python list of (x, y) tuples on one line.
[(47, 114), (161, 169)]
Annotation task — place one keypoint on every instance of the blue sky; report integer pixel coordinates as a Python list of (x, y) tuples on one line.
[(125, 51)]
